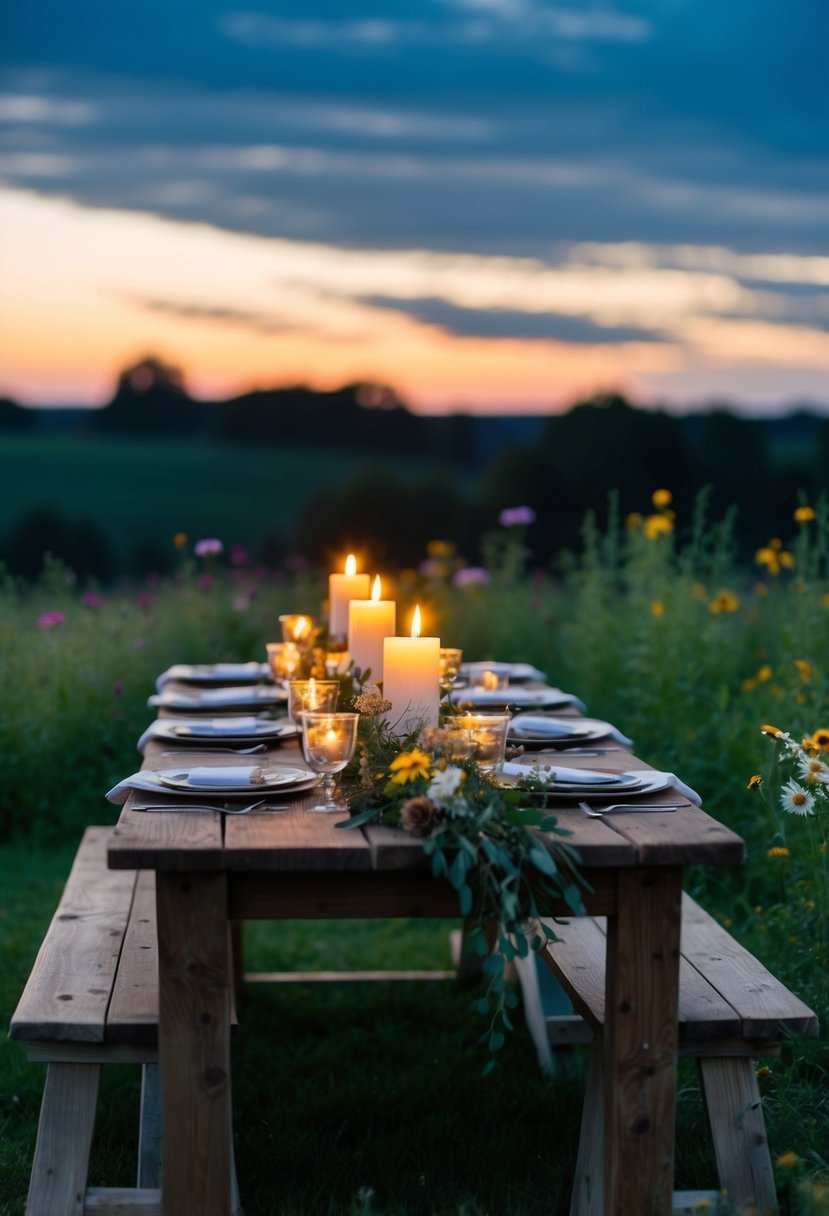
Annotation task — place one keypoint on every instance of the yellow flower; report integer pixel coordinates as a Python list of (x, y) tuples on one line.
[(819, 740), (180, 540), (778, 851), (657, 525), (657, 608), (699, 591), (633, 520), (724, 601), (703, 1205), (824, 599), (787, 560), (787, 1161), (774, 557), (750, 684), (774, 731), (803, 515), (804, 669), (410, 765), (764, 674), (762, 1071), (754, 781), (662, 498)]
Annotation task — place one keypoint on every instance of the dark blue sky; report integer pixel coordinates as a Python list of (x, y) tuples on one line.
[(486, 127)]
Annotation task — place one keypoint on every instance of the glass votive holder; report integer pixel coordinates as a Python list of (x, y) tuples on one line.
[(283, 659), (315, 695), (328, 743), (491, 676), (337, 660), (450, 662), (296, 626), (488, 735)]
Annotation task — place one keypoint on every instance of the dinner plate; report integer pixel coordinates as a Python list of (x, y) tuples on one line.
[(521, 698), (646, 783), (285, 777), (221, 698), (202, 733), (534, 730), (217, 673), (517, 672)]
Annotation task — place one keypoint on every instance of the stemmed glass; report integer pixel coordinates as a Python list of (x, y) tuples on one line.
[(328, 742)]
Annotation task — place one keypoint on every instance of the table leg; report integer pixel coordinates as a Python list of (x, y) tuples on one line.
[(194, 1043), (642, 993)]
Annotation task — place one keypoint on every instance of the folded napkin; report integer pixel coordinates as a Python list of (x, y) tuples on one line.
[(212, 671), (586, 777), (211, 728), (237, 777), (537, 726), (486, 697)]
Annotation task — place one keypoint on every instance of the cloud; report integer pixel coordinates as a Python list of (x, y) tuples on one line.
[(507, 324)]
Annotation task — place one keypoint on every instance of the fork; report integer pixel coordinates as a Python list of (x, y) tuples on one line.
[(629, 806), (225, 809), (232, 751)]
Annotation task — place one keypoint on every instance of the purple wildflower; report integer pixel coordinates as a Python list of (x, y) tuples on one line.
[(91, 599), (50, 619), (206, 581), (512, 517), (118, 688), (471, 576), (239, 556), (208, 548), (144, 599)]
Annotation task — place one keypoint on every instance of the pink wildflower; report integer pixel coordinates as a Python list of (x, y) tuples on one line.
[(239, 556), (91, 599), (512, 517), (50, 619), (144, 599), (471, 576), (208, 548)]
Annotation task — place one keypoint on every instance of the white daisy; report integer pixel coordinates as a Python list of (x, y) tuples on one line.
[(795, 799), (445, 786), (813, 771)]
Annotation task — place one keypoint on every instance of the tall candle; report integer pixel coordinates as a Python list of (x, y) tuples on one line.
[(342, 588), (411, 678), (370, 622)]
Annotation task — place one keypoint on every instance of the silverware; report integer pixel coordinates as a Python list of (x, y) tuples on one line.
[(581, 751), (629, 806), (223, 809)]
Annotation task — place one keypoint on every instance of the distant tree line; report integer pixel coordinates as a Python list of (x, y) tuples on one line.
[(563, 465)]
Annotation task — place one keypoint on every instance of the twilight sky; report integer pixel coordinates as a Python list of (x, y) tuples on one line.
[(493, 205)]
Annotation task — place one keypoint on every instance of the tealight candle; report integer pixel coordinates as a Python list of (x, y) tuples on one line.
[(370, 622), (342, 588), (411, 678), (488, 733), (296, 626)]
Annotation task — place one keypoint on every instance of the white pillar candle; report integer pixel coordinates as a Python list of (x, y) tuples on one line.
[(411, 679), (370, 622), (342, 588)]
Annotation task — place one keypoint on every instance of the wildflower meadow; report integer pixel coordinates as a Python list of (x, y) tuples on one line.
[(718, 670)]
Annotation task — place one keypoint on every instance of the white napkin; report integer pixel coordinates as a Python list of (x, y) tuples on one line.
[(569, 775), (552, 728), (212, 671), (227, 777), (219, 728), (516, 695)]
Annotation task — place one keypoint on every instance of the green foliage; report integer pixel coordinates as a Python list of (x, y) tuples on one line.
[(660, 631)]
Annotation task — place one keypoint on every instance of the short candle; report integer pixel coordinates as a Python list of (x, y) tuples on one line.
[(342, 588), (370, 622), (411, 678)]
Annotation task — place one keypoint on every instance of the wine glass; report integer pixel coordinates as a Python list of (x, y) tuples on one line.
[(328, 742), (311, 694)]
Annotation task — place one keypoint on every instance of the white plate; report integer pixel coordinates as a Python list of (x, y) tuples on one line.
[(569, 731), (220, 698), (286, 777), (518, 672), (204, 734), (646, 783)]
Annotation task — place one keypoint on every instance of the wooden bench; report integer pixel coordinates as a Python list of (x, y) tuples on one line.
[(731, 1011), (92, 999)]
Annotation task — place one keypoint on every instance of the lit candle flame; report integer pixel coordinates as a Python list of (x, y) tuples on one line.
[(351, 564), (376, 589), (312, 693), (301, 628), (416, 622)]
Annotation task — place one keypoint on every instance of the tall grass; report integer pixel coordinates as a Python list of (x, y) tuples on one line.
[(655, 626)]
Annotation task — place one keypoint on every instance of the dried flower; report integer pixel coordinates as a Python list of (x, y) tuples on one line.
[(418, 815)]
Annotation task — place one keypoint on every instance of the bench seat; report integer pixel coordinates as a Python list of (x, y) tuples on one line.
[(732, 1010), (92, 999)]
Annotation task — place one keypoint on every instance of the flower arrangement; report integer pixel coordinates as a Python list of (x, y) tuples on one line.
[(503, 853)]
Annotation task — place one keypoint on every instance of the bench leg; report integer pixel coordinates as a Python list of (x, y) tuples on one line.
[(588, 1196), (149, 1130), (64, 1135), (738, 1130)]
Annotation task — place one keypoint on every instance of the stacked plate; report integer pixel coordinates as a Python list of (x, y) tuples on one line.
[(236, 781), (536, 730), (204, 732), (520, 697), (216, 673), (570, 784), (212, 699)]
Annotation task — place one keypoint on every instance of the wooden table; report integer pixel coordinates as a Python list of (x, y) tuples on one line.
[(213, 870)]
